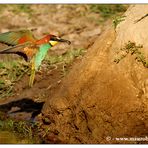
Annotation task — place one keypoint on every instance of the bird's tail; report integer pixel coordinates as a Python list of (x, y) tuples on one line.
[(32, 76)]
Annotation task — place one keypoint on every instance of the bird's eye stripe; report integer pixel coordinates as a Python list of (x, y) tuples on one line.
[(50, 44)]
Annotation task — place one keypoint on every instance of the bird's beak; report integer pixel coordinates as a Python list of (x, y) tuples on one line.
[(58, 39)]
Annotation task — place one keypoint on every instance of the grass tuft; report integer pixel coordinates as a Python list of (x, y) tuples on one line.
[(108, 10), (133, 49), (10, 73), (23, 130)]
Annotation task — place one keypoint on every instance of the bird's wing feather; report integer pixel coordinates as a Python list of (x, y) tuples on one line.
[(25, 50), (13, 38), (12, 48)]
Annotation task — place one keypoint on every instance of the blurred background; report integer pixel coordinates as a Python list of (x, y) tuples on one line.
[(77, 23)]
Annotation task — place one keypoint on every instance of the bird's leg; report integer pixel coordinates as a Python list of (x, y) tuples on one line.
[(32, 76)]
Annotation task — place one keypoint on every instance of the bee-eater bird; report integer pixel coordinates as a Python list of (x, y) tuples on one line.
[(26, 45)]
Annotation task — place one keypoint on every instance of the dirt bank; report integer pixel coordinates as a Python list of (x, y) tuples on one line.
[(100, 100)]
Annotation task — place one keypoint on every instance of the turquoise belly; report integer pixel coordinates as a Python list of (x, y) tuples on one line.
[(39, 57)]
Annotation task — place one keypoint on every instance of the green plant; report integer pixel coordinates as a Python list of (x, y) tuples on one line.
[(118, 20), (22, 129), (11, 72), (108, 10), (133, 49), (22, 8)]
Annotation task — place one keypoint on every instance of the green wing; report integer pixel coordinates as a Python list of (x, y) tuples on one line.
[(12, 38), (39, 57)]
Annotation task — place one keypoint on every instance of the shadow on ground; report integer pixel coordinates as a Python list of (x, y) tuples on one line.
[(25, 105)]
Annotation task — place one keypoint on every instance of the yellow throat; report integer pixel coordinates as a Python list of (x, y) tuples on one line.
[(53, 42)]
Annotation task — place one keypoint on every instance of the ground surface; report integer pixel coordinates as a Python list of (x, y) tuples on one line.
[(101, 101)]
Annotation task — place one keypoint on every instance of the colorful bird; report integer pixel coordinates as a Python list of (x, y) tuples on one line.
[(24, 44)]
